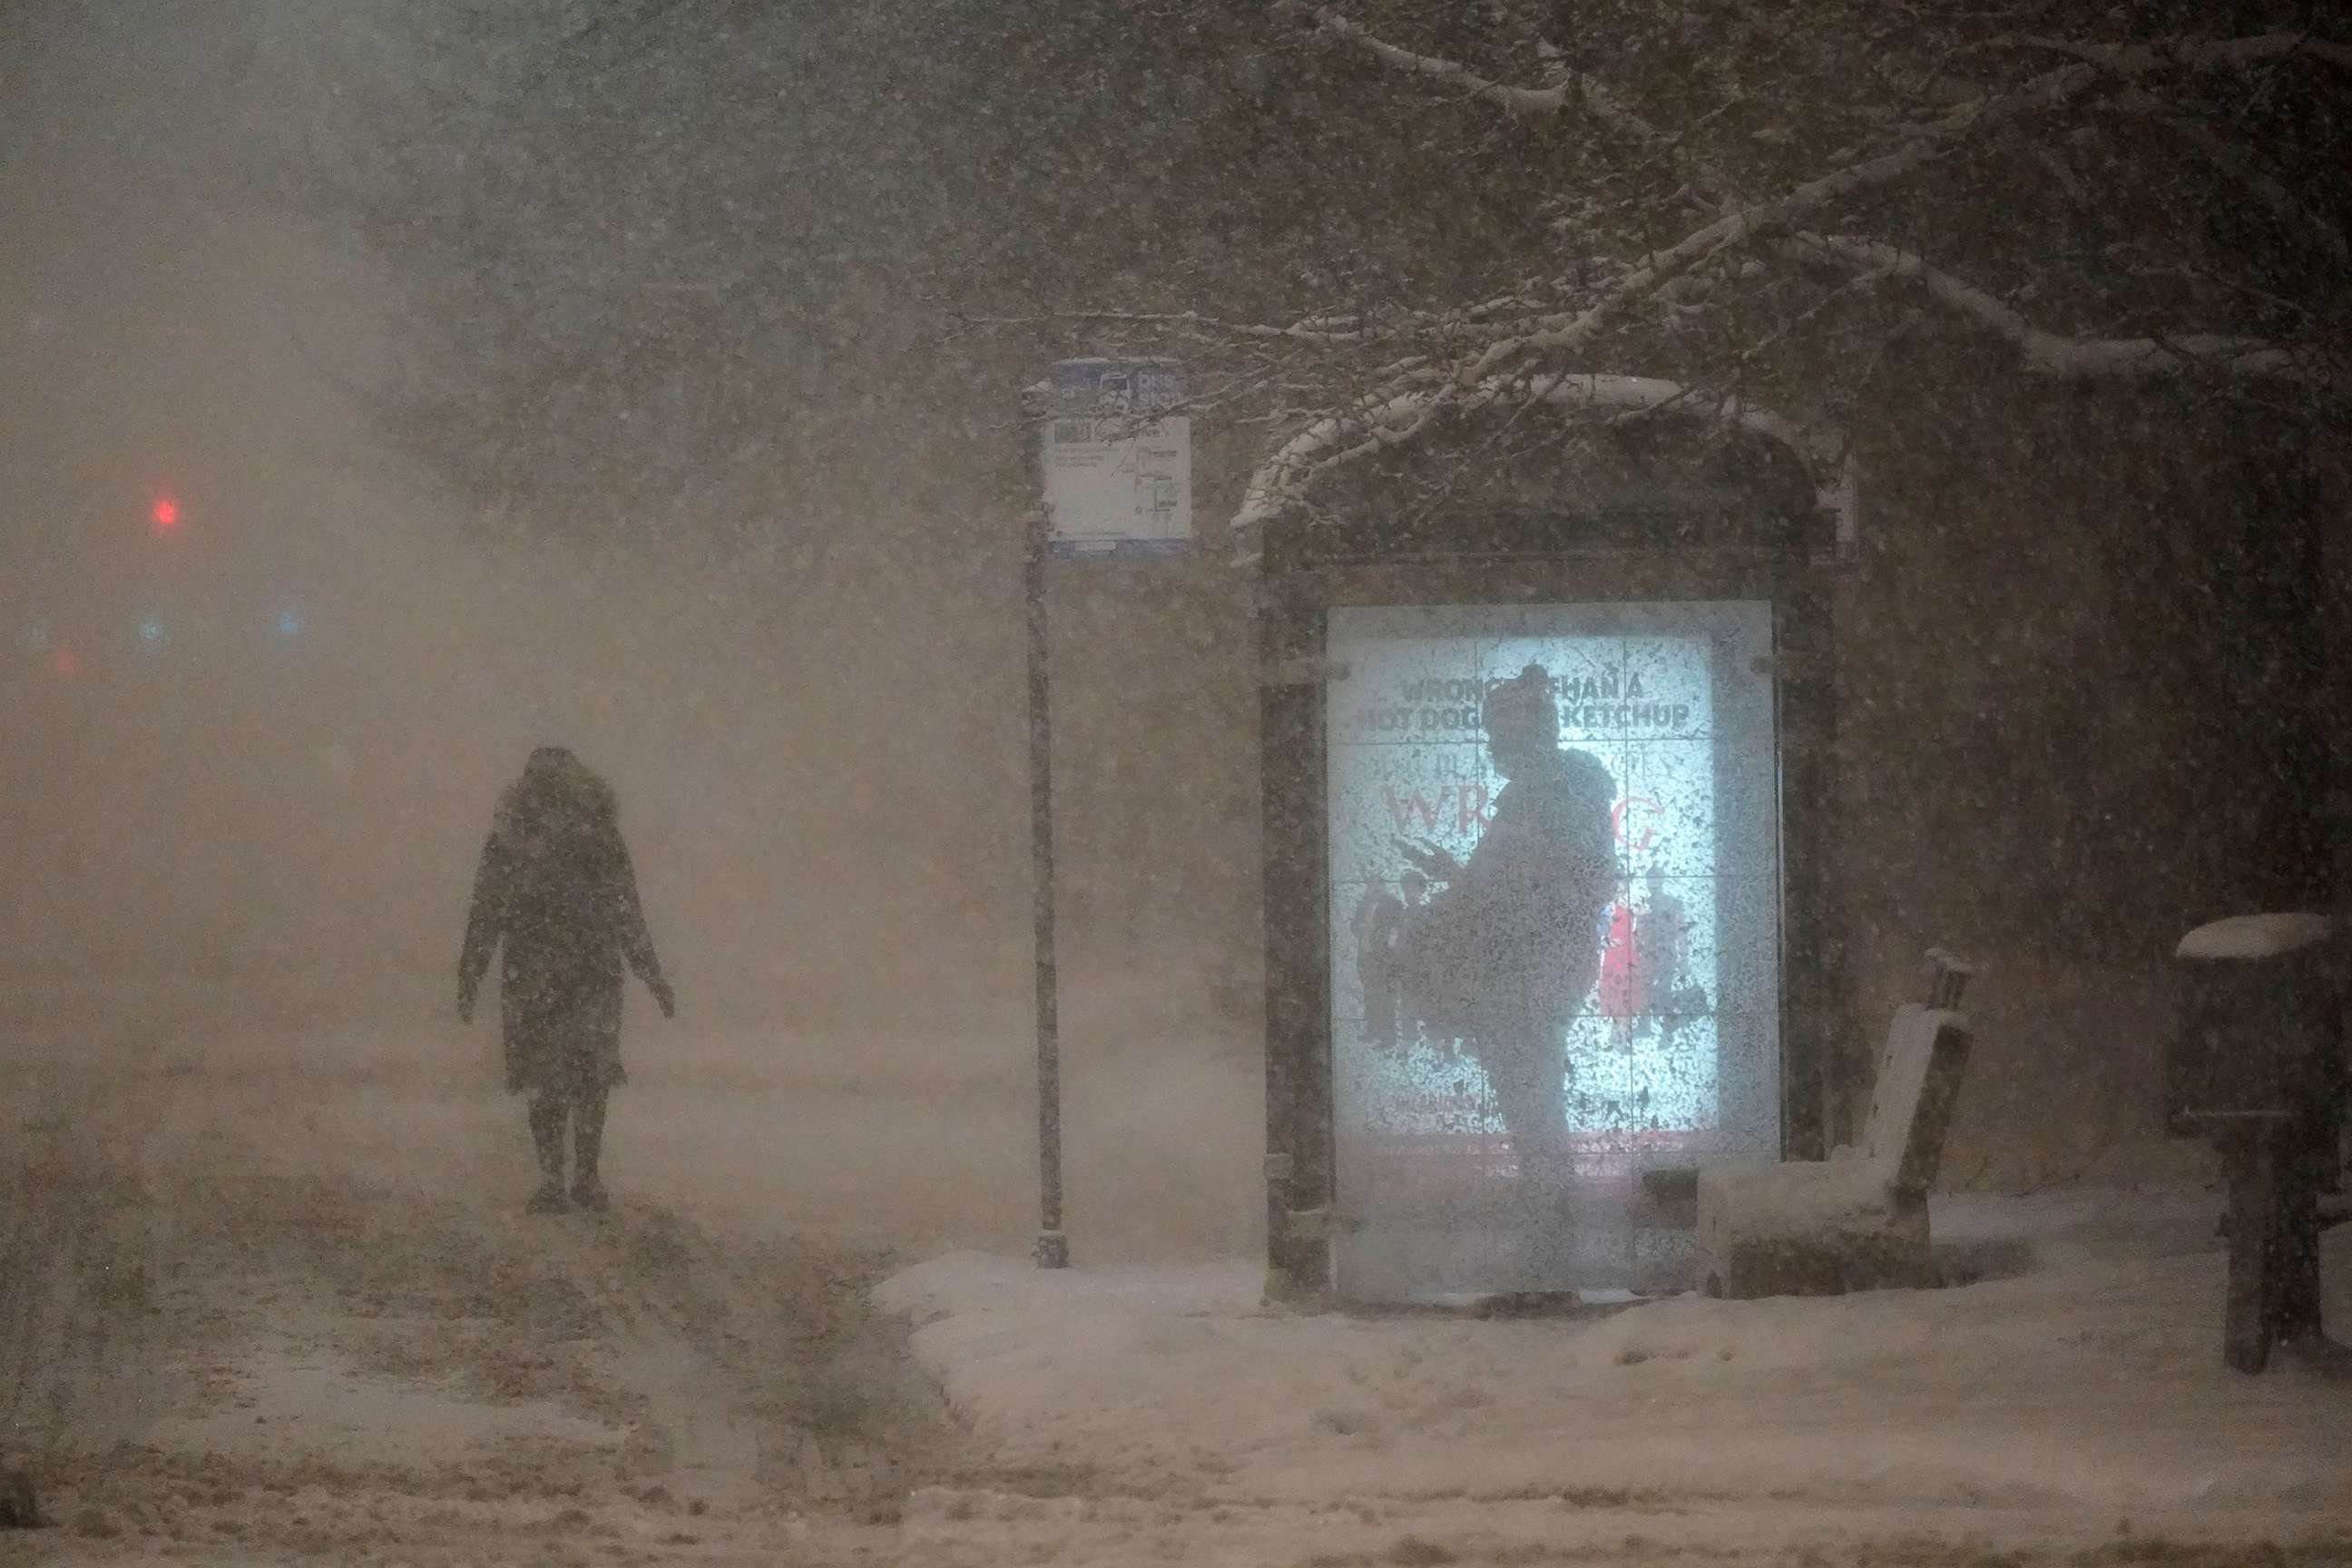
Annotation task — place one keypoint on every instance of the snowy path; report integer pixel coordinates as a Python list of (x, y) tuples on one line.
[(236, 1328), (293, 1317)]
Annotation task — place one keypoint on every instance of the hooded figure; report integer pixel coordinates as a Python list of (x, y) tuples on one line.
[(555, 885), (1508, 949)]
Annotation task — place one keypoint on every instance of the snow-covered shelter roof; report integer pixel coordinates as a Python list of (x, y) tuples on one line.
[(1623, 444)]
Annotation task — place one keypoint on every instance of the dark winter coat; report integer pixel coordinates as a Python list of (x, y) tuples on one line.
[(555, 887), (1509, 949)]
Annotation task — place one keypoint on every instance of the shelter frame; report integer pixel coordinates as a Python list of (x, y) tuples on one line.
[(1755, 546)]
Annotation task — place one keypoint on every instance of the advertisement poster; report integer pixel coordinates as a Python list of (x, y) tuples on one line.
[(1118, 464), (1554, 905)]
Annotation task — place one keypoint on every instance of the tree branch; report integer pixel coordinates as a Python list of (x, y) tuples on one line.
[(1526, 101), (1400, 410), (1312, 330), (1573, 88), (2055, 355), (2238, 163), (1917, 146), (2137, 61)]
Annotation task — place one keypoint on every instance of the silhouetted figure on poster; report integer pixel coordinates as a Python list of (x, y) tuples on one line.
[(1510, 944), (1378, 925), (556, 888)]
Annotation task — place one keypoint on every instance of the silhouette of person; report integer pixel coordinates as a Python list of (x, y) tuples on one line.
[(1509, 945), (555, 887)]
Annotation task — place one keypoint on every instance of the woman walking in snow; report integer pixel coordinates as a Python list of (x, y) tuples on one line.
[(556, 888)]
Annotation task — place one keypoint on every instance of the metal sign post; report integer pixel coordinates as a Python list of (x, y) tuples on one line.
[(1109, 471), (1052, 1248)]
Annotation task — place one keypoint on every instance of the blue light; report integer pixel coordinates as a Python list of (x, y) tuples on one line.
[(288, 623), (151, 632)]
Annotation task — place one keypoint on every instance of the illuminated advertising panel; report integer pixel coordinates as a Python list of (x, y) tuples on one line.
[(1554, 901)]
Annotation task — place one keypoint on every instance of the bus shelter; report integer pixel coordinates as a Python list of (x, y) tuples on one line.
[(1518, 990)]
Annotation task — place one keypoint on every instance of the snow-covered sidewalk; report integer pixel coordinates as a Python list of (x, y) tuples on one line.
[(2088, 1381)]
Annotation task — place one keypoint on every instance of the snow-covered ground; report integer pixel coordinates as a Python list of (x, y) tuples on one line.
[(278, 1301), (2083, 1389)]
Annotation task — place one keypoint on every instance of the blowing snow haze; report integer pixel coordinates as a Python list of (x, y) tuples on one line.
[(1695, 503), (480, 438)]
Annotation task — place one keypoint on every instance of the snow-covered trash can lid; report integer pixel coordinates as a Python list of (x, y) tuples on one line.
[(2243, 937)]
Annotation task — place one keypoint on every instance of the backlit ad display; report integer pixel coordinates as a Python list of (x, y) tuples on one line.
[(1554, 904)]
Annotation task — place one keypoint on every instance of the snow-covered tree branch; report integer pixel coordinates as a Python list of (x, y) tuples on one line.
[(2045, 353), (1362, 221), (1716, 301), (1571, 88)]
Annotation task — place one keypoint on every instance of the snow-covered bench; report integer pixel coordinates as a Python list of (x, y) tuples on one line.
[(1857, 1220)]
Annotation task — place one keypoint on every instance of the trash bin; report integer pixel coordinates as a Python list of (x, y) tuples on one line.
[(2258, 1070)]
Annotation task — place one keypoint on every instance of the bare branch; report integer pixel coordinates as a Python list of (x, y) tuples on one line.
[(1565, 333), (1523, 347), (2239, 163), (2054, 353), (1917, 145), (1573, 88), (1398, 414), (2200, 54), (1527, 101), (2132, 63), (1314, 330)]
